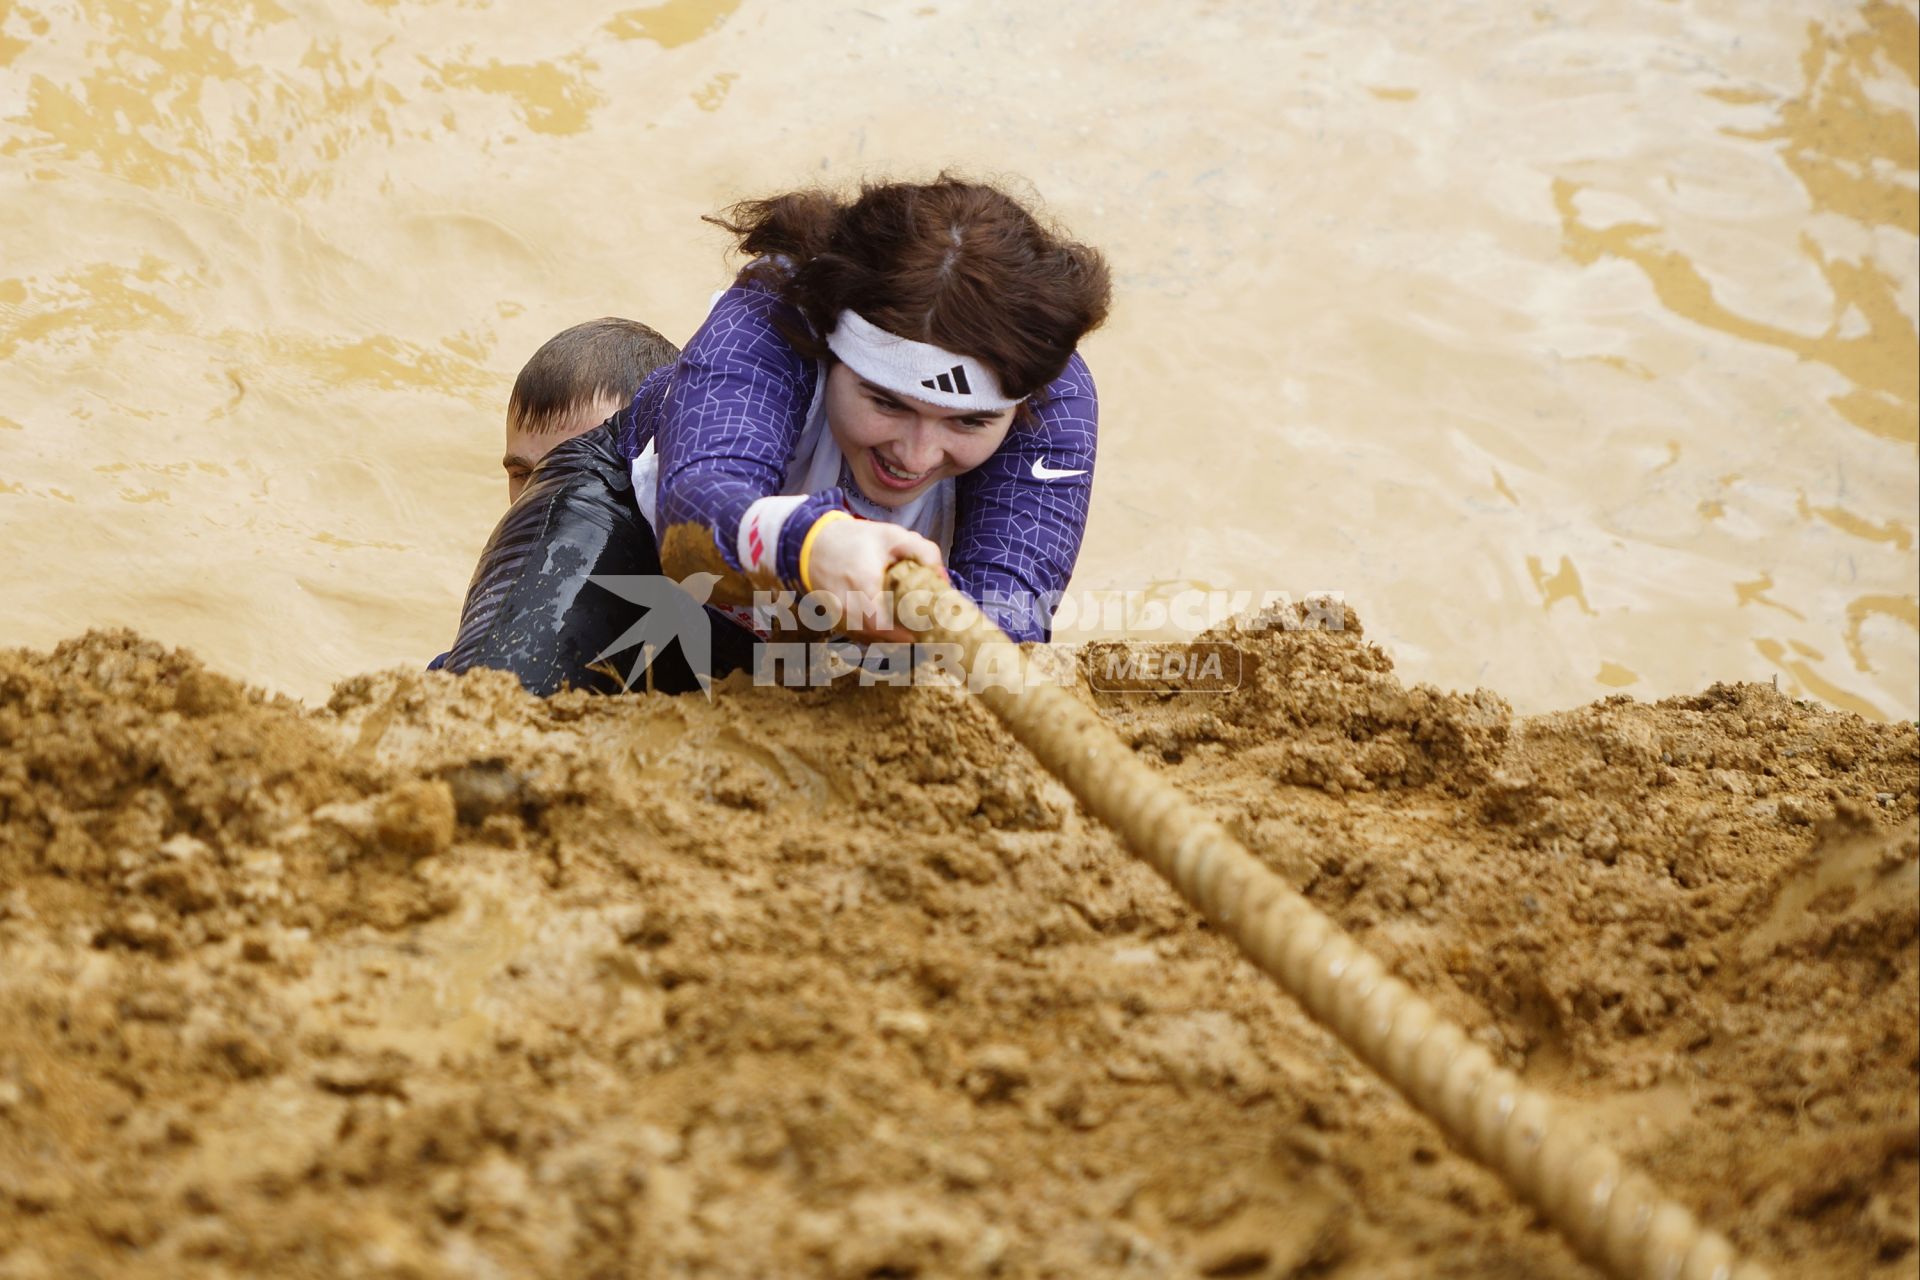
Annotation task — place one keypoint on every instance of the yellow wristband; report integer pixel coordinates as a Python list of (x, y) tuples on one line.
[(806, 543)]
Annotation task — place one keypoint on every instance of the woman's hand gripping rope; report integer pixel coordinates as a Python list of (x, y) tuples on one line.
[(849, 559)]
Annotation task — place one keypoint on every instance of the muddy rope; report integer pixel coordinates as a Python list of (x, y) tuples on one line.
[(1611, 1214)]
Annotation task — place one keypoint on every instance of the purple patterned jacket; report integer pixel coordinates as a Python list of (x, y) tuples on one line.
[(725, 419)]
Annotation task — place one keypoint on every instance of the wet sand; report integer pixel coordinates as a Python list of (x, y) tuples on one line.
[(1572, 341), (442, 980)]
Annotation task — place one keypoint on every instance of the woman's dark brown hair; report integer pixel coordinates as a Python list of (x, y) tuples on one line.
[(961, 265)]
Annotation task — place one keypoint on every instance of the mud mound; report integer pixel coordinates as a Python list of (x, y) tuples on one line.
[(441, 980), (171, 807), (1318, 709)]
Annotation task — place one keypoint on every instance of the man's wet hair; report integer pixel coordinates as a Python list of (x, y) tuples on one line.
[(575, 367)]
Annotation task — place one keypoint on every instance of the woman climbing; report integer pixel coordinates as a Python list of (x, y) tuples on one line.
[(891, 377)]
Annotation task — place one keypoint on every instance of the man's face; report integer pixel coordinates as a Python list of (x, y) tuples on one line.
[(898, 447), (525, 448)]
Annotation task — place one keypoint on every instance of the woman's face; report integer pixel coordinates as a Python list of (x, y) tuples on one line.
[(899, 447)]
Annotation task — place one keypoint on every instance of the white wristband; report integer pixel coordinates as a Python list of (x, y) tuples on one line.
[(759, 544)]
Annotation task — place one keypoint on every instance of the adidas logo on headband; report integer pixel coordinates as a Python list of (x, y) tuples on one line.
[(954, 379), (918, 370)]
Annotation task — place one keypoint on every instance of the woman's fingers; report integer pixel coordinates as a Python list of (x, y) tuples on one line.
[(910, 546), (914, 547)]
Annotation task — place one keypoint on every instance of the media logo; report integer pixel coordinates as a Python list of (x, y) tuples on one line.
[(675, 614)]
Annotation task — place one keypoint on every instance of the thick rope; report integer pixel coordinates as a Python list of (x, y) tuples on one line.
[(1611, 1214)]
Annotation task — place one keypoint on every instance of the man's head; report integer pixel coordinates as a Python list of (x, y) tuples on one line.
[(577, 380)]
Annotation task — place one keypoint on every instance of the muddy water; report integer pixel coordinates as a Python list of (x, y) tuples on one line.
[(1574, 344)]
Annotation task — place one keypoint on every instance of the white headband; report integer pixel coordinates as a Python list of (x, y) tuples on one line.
[(917, 369)]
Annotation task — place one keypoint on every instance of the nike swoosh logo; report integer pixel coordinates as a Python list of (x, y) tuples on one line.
[(1041, 471)]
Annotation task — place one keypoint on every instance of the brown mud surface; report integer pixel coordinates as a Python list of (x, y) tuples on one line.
[(441, 980)]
